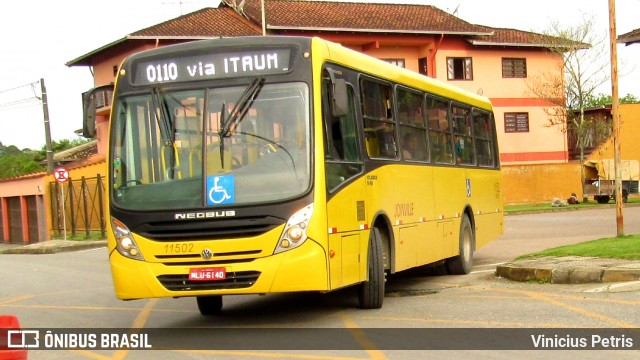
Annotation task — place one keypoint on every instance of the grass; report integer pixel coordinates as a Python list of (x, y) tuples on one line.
[(626, 247), (542, 207), (79, 236)]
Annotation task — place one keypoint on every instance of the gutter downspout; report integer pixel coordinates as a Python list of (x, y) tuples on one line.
[(433, 56)]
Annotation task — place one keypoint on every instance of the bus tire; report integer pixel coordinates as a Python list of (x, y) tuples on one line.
[(209, 305), (463, 262), (371, 291)]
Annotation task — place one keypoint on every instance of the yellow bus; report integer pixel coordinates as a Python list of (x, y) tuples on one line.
[(286, 164)]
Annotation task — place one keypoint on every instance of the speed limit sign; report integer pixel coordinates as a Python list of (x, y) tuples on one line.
[(61, 174)]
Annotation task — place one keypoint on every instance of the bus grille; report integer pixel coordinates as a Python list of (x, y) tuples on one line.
[(234, 280), (207, 229)]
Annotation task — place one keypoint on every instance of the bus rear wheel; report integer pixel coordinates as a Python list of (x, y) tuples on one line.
[(371, 292), (463, 262), (209, 305)]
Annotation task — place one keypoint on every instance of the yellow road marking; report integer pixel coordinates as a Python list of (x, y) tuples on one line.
[(90, 354), (585, 312), (474, 323), (18, 298), (138, 323), (551, 300), (361, 338), (267, 355), (62, 307), (142, 318), (609, 301)]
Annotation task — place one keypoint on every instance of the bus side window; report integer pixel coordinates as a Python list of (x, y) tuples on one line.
[(342, 159), (464, 149), (413, 140), (440, 138), (379, 125), (483, 134)]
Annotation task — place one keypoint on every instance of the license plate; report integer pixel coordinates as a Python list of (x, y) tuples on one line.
[(207, 274)]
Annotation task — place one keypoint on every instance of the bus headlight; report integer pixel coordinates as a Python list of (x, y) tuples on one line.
[(125, 244), (295, 232)]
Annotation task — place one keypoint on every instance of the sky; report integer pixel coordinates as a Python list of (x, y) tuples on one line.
[(40, 36)]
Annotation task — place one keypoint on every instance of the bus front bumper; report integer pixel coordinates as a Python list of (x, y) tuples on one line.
[(300, 269)]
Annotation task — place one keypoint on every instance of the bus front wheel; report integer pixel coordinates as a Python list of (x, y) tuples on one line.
[(209, 305), (462, 263), (371, 292)]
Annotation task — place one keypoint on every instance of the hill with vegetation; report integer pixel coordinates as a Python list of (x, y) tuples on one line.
[(15, 162)]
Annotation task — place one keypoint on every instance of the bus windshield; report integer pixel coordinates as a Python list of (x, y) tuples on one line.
[(211, 147)]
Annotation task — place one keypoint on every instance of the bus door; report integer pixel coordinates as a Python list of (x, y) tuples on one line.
[(346, 194)]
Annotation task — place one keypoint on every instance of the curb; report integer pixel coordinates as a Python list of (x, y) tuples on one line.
[(570, 270), (55, 246)]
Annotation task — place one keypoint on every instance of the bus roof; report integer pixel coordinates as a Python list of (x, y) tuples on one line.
[(379, 68)]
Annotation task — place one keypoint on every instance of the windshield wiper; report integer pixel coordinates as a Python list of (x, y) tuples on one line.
[(229, 124), (164, 122), (161, 113), (241, 107)]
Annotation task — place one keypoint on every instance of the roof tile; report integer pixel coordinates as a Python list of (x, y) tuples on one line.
[(629, 38), (207, 22), (296, 14)]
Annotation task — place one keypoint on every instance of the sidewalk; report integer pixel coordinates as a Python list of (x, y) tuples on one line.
[(570, 270), (51, 246)]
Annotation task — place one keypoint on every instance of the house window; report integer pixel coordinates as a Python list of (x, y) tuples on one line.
[(459, 68), (514, 68), (422, 66), (396, 62), (516, 122)]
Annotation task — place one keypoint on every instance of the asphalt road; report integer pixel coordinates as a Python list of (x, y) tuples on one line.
[(74, 290)]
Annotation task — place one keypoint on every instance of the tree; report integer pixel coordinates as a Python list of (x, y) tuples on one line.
[(603, 100), (584, 70), (15, 162), (62, 145)]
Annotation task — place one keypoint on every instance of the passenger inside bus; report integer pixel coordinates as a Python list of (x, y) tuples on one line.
[(409, 145)]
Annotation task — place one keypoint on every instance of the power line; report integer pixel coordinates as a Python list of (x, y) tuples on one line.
[(18, 104), (32, 85), (19, 95)]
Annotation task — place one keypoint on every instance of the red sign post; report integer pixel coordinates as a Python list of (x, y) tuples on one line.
[(62, 176)]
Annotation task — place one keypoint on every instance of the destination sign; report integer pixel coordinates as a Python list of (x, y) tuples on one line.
[(212, 66)]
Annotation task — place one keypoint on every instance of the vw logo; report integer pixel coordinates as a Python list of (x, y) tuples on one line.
[(206, 254)]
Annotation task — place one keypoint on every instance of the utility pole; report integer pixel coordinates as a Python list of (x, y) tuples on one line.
[(47, 130), (615, 113)]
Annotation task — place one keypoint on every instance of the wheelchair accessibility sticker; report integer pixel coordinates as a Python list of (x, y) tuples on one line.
[(221, 190)]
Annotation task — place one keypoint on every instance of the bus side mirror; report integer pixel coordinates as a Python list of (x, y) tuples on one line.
[(92, 100), (339, 98), (88, 115)]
